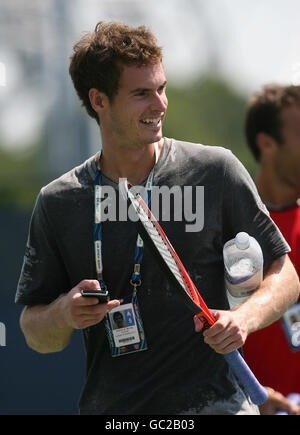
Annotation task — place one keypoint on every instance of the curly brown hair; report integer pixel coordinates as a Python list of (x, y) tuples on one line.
[(263, 113), (98, 58)]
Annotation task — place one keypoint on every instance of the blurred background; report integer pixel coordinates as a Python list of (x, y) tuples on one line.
[(216, 54)]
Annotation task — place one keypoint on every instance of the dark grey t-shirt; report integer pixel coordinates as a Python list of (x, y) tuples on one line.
[(179, 371)]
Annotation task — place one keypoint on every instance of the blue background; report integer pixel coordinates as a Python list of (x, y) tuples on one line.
[(31, 383)]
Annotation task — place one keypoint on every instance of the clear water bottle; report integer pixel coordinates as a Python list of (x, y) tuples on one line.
[(243, 263)]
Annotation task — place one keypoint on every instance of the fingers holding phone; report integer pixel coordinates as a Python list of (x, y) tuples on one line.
[(88, 304)]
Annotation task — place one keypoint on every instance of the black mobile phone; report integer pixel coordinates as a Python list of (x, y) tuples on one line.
[(102, 295)]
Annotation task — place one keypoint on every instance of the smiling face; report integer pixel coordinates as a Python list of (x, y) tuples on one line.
[(135, 116)]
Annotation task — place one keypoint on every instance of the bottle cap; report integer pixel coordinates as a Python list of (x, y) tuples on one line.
[(242, 240)]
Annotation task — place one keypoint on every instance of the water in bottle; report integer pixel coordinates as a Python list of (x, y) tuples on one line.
[(243, 263)]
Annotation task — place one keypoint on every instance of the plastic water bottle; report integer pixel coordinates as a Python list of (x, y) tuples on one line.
[(243, 263)]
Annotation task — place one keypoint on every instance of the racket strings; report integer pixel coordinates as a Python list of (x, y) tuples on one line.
[(153, 229), (164, 248), (150, 224)]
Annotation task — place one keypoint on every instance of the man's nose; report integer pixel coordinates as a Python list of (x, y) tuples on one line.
[(159, 102)]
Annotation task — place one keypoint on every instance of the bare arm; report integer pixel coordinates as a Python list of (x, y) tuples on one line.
[(279, 289), (49, 328)]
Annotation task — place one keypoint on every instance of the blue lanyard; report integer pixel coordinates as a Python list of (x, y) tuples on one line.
[(139, 247), (135, 280), (98, 229)]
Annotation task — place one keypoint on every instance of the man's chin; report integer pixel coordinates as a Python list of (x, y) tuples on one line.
[(156, 137)]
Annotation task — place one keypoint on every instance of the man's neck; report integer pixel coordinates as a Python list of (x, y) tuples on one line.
[(274, 193), (134, 164)]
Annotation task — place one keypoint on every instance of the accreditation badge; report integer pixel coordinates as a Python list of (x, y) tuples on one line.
[(291, 325), (124, 328)]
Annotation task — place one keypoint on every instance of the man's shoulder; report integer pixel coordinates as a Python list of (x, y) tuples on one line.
[(77, 179), (202, 152)]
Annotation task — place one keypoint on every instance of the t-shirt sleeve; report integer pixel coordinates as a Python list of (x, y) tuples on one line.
[(43, 276), (243, 210)]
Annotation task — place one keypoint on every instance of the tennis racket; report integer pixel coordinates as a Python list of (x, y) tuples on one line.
[(157, 241)]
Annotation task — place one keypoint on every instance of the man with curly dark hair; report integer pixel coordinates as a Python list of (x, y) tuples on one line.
[(157, 363)]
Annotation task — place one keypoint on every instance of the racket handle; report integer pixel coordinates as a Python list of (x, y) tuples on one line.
[(257, 392)]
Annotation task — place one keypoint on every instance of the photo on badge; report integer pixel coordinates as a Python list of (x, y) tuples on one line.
[(124, 326)]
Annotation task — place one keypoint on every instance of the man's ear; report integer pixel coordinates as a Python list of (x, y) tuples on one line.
[(266, 144), (98, 100)]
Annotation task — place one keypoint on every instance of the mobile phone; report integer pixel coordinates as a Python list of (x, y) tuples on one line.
[(102, 295)]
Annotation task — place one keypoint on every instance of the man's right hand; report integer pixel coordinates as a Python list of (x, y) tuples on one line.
[(81, 312), (49, 328)]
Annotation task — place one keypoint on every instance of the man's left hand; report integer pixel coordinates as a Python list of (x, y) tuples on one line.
[(227, 334)]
